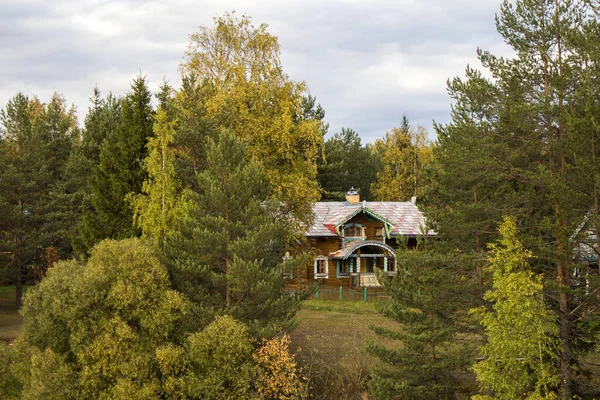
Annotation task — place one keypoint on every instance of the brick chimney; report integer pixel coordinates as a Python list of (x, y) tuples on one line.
[(352, 196)]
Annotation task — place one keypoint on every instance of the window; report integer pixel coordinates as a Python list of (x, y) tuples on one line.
[(378, 232), (342, 268), (391, 265), (353, 230), (321, 267), (350, 231)]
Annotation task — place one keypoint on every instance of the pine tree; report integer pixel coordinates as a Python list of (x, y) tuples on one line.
[(193, 129), (35, 143), (227, 257), (429, 300), (347, 164), (510, 150)]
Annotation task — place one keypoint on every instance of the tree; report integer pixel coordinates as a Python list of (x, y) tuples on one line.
[(194, 127), (520, 354), (404, 152), (114, 328), (220, 369), (237, 67), (429, 300), (511, 150), (93, 324), (228, 254), (100, 122), (277, 370), (348, 164), (120, 169), (35, 143), (155, 211)]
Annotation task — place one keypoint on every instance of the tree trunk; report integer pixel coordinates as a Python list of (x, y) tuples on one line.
[(227, 282), (563, 267), (18, 281), (566, 355)]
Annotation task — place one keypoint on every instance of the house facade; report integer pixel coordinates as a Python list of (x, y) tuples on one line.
[(353, 239)]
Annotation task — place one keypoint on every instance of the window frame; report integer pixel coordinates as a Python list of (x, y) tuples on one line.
[(354, 230), (339, 269), (325, 262)]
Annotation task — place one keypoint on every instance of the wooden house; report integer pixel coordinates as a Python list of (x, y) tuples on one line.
[(353, 239)]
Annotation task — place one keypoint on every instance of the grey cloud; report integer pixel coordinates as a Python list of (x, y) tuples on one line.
[(368, 62)]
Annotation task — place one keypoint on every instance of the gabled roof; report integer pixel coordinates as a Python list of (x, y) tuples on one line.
[(404, 217)]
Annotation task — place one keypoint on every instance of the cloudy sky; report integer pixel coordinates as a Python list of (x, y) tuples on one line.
[(367, 62)]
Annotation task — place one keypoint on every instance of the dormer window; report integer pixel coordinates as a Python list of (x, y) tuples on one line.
[(354, 230), (351, 231)]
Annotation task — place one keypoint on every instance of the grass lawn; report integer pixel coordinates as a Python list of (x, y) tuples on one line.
[(340, 325), (10, 320), (331, 337)]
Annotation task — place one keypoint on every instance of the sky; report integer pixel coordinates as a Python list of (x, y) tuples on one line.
[(367, 62)]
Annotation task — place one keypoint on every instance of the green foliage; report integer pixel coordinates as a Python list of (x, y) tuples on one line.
[(221, 361), (348, 164), (120, 170), (428, 300), (100, 123), (155, 210), (35, 142), (9, 384), (114, 328), (523, 143), (227, 257), (520, 354), (99, 325)]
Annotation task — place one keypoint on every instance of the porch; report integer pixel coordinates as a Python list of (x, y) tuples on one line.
[(359, 262)]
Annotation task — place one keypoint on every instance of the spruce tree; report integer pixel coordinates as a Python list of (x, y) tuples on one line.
[(101, 121), (120, 170), (347, 163)]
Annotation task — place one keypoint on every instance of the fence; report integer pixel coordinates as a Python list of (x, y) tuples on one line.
[(346, 294)]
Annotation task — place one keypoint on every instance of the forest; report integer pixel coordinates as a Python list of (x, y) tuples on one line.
[(146, 245)]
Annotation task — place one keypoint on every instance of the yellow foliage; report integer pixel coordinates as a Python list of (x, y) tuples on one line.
[(249, 94), (404, 152), (278, 375)]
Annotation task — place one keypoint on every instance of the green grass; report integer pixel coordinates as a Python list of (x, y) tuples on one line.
[(331, 339), (10, 320), (347, 307), (337, 324), (340, 327)]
